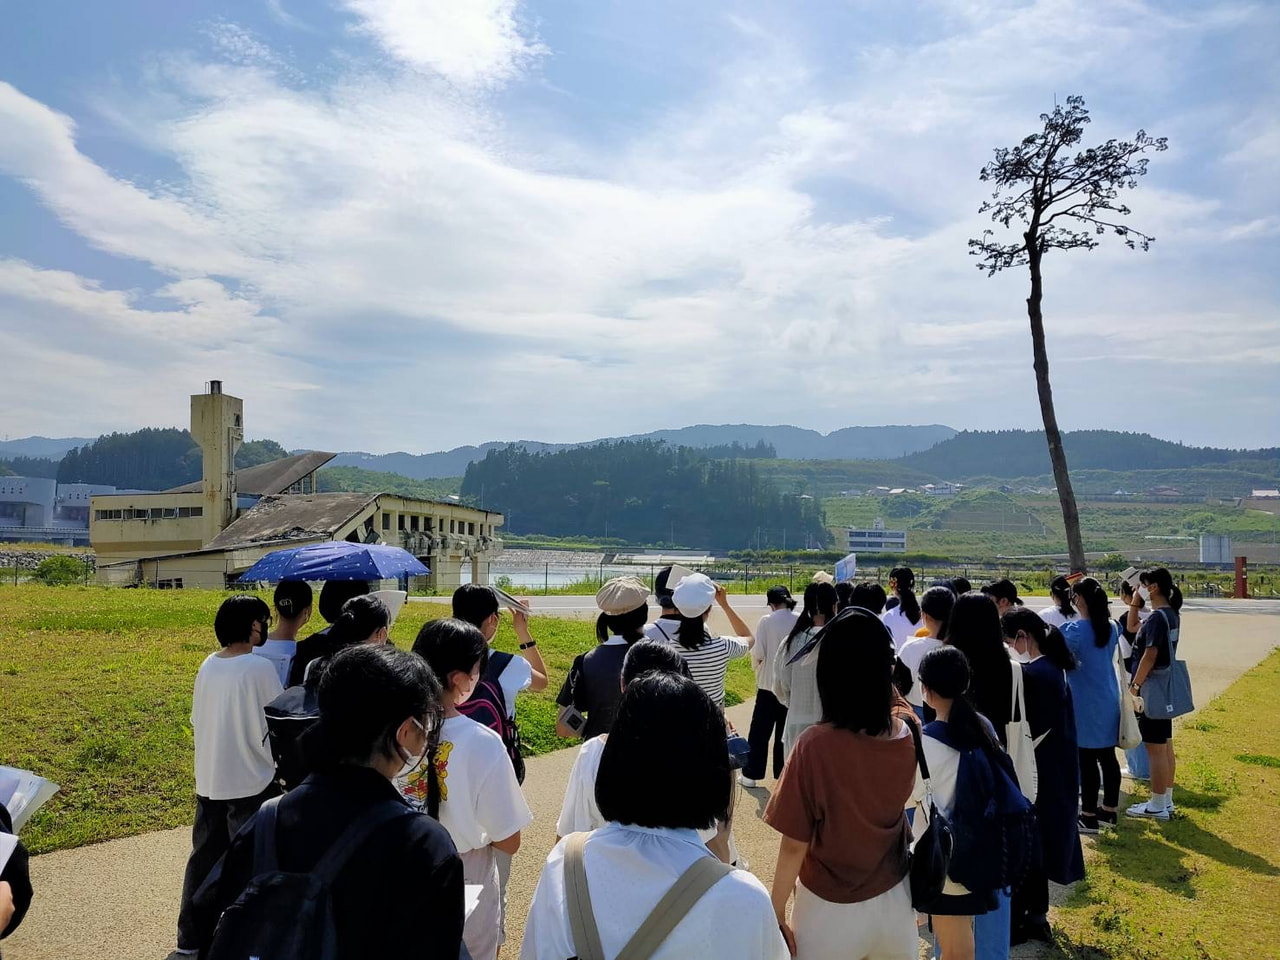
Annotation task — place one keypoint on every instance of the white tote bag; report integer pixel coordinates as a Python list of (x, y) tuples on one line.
[(1130, 735), (1020, 745)]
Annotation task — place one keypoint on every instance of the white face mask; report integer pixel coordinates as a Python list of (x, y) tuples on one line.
[(1023, 657), (1144, 593), (410, 762)]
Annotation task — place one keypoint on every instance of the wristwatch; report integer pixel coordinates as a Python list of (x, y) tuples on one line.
[(526, 646)]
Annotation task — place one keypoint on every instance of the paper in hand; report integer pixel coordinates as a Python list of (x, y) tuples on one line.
[(8, 844), (394, 599), (507, 600), (23, 793)]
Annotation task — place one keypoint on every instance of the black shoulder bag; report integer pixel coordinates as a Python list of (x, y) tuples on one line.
[(931, 857)]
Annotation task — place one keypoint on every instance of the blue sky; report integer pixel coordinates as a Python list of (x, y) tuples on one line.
[(413, 224)]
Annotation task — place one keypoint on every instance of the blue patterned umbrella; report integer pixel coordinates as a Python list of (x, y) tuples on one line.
[(335, 560)]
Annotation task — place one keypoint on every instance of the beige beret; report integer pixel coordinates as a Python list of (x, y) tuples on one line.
[(622, 595)]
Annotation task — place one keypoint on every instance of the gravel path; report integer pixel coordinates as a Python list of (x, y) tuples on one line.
[(118, 900)]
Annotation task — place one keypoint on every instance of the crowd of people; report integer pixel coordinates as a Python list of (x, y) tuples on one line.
[(365, 800)]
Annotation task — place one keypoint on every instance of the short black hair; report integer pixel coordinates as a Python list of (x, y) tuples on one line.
[(451, 644), (335, 593), (855, 672), (844, 594), (1159, 577), (664, 762), (234, 620), (474, 603), (961, 585), (366, 692), (292, 597), (661, 589), (1003, 589), (870, 596), (646, 655)]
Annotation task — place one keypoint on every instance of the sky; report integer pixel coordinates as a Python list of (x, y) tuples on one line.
[(415, 224)]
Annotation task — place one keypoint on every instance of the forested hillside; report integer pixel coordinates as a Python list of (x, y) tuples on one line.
[(641, 491), (1023, 453), (153, 458)]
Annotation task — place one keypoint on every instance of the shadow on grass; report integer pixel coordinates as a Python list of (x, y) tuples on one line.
[(1157, 854)]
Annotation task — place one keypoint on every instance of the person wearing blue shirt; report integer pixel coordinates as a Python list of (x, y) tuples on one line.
[(1092, 639)]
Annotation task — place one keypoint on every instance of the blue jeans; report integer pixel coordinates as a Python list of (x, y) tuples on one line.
[(991, 931), (1138, 762)]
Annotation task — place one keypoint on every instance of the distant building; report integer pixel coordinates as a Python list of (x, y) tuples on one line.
[(43, 510), (1265, 495), (205, 534), (944, 489), (1215, 548), (877, 539)]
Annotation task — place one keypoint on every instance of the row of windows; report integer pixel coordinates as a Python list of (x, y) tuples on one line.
[(415, 524), (302, 486), (149, 513)]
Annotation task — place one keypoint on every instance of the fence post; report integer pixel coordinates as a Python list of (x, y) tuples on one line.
[(546, 580)]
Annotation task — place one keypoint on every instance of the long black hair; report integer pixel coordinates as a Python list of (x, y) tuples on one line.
[(870, 596), (974, 630), (855, 672), (819, 598), (938, 602), (1095, 601), (1050, 640), (945, 671), (906, 581), (1060, 590)]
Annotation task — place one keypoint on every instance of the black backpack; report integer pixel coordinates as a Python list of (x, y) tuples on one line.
[(289, 916), (289, 716), (488, 705)]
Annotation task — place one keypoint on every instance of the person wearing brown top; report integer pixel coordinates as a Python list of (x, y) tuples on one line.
[(840, 806)]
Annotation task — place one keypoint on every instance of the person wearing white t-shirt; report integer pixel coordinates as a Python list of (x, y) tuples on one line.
[(579, 813), (769, 715), (234, 768), (902, 619), (292, 601), (1063, 610), (478, 605), (468, 780), (663, 776), (935, 611)]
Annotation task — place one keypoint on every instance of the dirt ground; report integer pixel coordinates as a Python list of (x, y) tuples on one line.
[(119, 900)]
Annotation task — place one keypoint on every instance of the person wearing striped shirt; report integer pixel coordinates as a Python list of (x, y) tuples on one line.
[(707, 656)]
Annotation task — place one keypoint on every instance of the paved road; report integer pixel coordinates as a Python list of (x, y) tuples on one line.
[(118, 900)]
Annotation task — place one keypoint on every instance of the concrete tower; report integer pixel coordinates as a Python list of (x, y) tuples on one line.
[(217, 425)]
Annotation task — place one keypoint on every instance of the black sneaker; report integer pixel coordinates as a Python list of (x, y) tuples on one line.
[(1087, 823), (1107, 818)]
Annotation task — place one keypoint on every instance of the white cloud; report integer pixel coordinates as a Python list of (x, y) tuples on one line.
[(781, 245), (470, 42)]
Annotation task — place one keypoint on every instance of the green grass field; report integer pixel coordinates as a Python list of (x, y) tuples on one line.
[(95, 694), (1206, 885)]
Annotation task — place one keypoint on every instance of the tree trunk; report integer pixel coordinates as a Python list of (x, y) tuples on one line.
[(1057, 455)]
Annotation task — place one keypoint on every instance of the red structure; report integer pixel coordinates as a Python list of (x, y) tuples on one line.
[(1242, 578)]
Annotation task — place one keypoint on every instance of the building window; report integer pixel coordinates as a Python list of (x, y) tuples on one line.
[(453, 525), (471, 529), (184, 512), (386, 521), (307, 484), (413, 523), (400, 522), (173, 583)]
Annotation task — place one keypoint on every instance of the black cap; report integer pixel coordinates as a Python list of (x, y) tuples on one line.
[(777, 595)]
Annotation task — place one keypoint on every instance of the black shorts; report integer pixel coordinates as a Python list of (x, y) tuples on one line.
[(1155, 731)]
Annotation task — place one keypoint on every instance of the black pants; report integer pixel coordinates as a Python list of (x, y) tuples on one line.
[(767, 720), (217, 821), (1030, 902), (1091, 760)]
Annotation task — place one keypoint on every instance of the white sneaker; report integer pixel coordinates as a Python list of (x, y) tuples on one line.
[(1144, 811), (747, 782)]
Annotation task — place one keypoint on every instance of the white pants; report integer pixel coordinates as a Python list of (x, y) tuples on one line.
[(882, 928), (482, 931)]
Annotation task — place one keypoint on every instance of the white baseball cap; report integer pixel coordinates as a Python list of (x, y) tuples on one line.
[(694, 595)]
